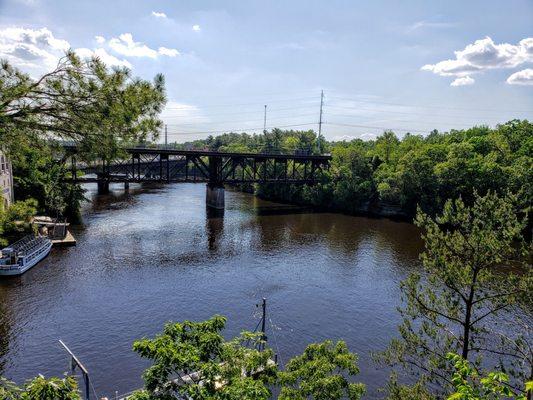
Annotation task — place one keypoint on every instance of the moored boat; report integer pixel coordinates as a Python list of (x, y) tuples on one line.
[(24, 254)]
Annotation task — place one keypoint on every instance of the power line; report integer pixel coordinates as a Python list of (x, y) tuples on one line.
[(398, 112), (242, 104), (406, 121), (428, 106), (238, 130), (376, 127), (310, 106), (320, 119), (262, 95), (241, 121)]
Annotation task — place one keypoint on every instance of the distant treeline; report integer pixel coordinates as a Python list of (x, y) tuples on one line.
[(391, 176)]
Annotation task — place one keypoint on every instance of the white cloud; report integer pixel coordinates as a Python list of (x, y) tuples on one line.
[(196, 28), (38, 50), (483, 55), (104, 56), (168, 52), (159, 14), (429, 24), (28, 2), (31, 48), (463, 81), (524, 77), (126, 46)]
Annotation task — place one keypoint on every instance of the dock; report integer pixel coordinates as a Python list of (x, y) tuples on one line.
[(67, 241), (56, 231)]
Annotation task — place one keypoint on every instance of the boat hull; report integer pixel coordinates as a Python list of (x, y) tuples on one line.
[(15, 270)]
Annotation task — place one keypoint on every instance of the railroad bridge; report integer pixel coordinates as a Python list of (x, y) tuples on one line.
[(213, 168)]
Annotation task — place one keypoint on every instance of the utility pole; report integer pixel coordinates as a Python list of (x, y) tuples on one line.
[(320, 121), (166, 136), (265, 120)]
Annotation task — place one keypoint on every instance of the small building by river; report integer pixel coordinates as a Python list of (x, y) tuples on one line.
[(6, 181)]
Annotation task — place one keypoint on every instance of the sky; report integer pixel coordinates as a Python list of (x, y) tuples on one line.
[(409, 66)]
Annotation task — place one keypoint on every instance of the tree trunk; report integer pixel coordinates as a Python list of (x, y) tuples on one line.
[(466, 330)]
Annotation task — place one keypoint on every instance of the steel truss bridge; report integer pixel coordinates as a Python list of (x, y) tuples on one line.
[(213, 168)]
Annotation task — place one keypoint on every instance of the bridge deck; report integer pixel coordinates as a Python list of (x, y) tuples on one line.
[(208, 153)]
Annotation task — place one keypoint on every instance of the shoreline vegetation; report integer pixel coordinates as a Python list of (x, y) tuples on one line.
[(466, 330), (391, 176)]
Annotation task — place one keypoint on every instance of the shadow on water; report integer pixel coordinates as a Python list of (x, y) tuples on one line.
[(214, 226)]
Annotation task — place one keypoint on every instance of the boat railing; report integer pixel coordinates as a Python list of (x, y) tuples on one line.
[(36, 253), (27, 245)]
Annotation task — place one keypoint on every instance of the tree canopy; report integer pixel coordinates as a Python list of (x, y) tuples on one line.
[(80, 100), (392, 176)]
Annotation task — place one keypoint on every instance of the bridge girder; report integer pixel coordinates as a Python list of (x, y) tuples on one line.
[(215, 168)]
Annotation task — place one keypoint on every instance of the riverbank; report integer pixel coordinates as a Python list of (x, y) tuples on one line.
[(374, 209)]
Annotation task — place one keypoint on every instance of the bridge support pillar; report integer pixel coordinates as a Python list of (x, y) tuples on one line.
[(103, 185), (126, 186), (214, 197)]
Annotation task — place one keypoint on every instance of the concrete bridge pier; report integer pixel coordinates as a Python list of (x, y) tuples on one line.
[(214, 196), (103, 185), (126, 186)]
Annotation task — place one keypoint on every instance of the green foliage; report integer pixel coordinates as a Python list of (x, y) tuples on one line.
[(469, 385), (209, 367), (82, 101), (38, 175), (468, 281), (41, 388), (275, 141), (414, 171), (396, 391), (16, 220), (196, 352), (321, 373)]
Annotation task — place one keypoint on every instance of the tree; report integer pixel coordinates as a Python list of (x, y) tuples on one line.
[(386, 145), (82, 101), (192, 360), (321, 373), (16, 220), (470, 278), (41, 388), (206, 366), (39, 175), (469, 385), (417, 391)]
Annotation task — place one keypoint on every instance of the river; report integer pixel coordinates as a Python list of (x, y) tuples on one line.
[(153, 256)]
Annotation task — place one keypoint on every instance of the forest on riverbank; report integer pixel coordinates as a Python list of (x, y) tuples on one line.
[(392, 176)]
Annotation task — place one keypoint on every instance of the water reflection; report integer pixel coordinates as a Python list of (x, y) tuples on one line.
[(214, 225)]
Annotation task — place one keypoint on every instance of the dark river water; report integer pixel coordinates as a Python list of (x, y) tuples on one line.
[(154, 256)]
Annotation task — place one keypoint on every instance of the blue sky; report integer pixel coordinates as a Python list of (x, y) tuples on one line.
[(408, 66)]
